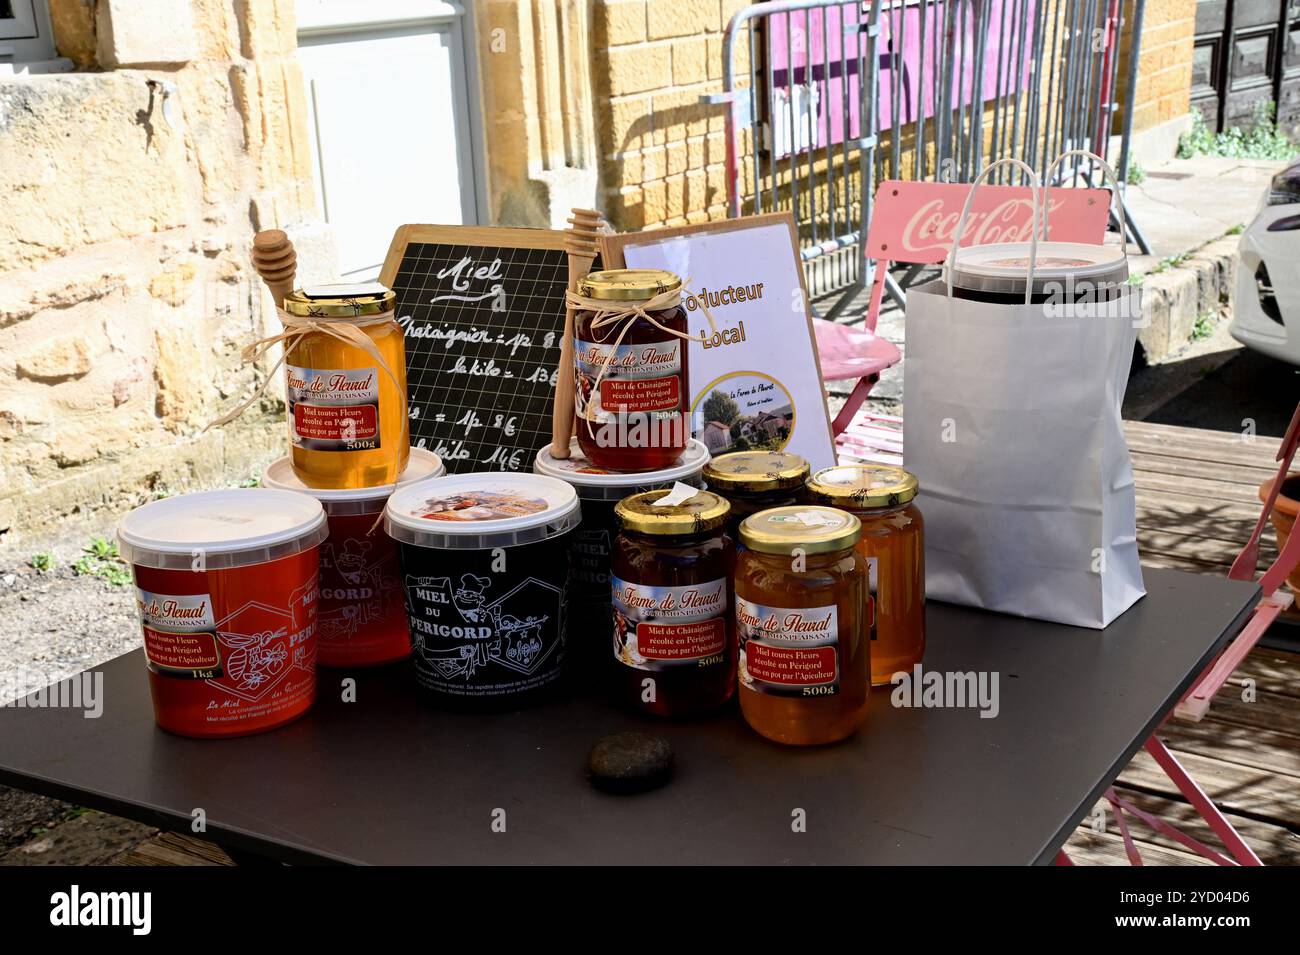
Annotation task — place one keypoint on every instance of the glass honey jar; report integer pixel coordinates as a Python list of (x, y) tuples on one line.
[(347, 415), (674, 637), (630, 370), (803, 623), (754, 481), (893, 545)]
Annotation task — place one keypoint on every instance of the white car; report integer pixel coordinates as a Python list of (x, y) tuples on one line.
[(1266, 307)]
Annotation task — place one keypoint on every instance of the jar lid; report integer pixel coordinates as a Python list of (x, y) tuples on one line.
[(1002, 268), (422, 464), (627, 285), (218, 530), (481, 510), (702, 512), (599, 484), (807, 527), (346, 300), (756, 471), (862, 486)]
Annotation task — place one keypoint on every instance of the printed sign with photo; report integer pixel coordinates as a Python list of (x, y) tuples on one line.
[(748, 275)]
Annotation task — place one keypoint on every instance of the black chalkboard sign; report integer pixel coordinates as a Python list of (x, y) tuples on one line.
[(483, 311)]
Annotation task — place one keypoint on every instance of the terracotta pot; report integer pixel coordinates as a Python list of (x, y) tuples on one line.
[(1285, 510)]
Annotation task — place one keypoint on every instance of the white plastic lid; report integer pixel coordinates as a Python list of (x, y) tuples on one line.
[(599, 484), (481, 510), (365, 500), (1003, 267), (229, 528)]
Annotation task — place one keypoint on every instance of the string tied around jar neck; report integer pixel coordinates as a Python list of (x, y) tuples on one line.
[(344, 329), (624, 316)]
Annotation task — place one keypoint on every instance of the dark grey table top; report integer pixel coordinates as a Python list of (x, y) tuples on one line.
[(389, 779)]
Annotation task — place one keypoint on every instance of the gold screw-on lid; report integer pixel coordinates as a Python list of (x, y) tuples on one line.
[(756, 471), (340, 301), (862, 486), (627, 285), (808, 528), (698, 514)]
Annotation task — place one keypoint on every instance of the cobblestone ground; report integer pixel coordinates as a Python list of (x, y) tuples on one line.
[(55, 623)]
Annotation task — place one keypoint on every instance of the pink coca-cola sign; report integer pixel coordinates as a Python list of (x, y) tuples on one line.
[(916, 221)]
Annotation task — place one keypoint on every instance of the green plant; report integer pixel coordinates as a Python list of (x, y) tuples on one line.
[(42, 562), (1170, 262), (119, 575), (1204, 326), (102, 549), (1260, 140), (1136, 174), (100, 559)]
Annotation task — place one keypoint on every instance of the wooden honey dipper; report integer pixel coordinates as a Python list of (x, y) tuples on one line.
[(276, 261), (580, 242)]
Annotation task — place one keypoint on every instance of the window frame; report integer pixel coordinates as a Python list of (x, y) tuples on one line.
[(27, 36)]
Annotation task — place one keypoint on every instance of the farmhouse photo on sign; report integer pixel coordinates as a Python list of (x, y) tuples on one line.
[(682, 433)]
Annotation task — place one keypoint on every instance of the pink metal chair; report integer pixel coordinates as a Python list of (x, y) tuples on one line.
[(912, 223), (1196, 701)]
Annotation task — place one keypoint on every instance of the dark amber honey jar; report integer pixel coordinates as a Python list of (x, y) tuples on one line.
[(630, 370), (674, 645), (754, 481)]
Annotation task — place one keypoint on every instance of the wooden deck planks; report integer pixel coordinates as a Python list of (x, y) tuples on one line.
[(1198, 501)]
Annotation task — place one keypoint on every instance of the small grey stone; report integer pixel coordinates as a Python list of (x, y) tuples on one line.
[(630, 762)]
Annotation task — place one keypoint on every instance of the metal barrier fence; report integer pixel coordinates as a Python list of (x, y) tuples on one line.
[(829, 97)]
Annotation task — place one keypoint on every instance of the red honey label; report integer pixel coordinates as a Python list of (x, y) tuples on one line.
[(265, 646), (196, 654), (681, 641), (356, 423), (640, 378), (639, 395), (180, 634), (333, 409), (656, 627), (788, 651), (791, 666)]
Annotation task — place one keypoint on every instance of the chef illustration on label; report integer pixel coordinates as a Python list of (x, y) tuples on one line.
[(507, 632), (360, 582)]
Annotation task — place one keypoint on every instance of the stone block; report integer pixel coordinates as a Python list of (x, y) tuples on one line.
[(56, 360), (618, 23), (638, 69), (174, 285), (690, 60), (131, 33), (74, 30), (85, 158), (672, 18)]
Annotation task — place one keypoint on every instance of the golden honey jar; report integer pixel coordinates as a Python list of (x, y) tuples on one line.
[(345, 384)]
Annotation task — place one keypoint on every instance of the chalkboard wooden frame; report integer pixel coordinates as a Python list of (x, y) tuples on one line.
[(487, 236), (517, 454)]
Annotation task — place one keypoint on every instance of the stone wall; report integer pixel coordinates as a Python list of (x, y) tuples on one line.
[(1164, 80), (537, 108), (662, 153), (129, 192)]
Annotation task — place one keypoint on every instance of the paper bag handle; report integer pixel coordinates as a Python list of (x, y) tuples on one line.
[(1034, 191), (1120, 212)]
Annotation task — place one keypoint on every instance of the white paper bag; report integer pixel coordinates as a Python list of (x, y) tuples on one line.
[(1012, 426)]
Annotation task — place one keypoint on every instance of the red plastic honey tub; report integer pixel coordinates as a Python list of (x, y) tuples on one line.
[(227, 588)]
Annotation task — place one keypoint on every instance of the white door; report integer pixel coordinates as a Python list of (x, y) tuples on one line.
[(391, 118)]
